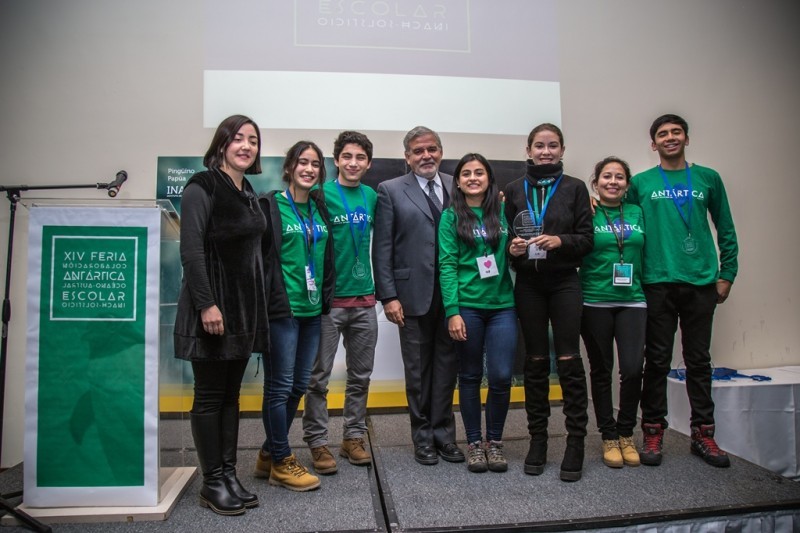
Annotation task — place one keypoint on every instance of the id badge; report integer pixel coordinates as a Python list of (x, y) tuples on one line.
[(622, 275), (534, 252), (487, 266), (311, 285)]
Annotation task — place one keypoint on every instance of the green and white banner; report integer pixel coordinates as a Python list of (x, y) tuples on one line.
[(91, 429)]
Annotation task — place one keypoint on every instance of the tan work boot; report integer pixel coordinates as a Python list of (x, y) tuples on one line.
[(263, 465), (628, 449), (292, 475), (612, 456), (323, 460), (356, 451)]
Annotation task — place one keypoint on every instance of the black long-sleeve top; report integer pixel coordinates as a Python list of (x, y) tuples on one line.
[(568, 216)]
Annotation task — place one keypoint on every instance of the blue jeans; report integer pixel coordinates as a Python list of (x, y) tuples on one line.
[(294, 343), (494, 332)]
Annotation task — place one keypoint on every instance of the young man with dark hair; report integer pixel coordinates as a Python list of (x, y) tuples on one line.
[(684, 280), (352, 209)]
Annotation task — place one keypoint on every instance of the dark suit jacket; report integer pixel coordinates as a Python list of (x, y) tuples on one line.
[(404, 244)]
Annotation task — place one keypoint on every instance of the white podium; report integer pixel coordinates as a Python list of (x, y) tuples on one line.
[(91, 402)]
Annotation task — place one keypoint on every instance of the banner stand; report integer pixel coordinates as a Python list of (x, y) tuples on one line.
[(92, 388)]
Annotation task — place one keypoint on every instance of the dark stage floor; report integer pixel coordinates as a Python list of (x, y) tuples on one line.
[(397, 494)]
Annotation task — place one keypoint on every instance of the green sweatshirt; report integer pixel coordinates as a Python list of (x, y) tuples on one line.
[(597, 268), (665, 260), (294, 258), (353, 275), (462, 285)]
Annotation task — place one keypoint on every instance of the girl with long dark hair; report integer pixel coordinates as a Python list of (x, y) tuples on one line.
[(301, 290), (479, 305)]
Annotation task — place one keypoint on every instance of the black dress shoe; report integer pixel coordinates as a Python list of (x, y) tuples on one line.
[(425, 455), (451, 453)]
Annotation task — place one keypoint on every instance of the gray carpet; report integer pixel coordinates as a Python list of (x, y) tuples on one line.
[(399, 494), (447, 495)]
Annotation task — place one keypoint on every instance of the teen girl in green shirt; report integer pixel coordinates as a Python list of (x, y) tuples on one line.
[(479, 304), (614, 309)]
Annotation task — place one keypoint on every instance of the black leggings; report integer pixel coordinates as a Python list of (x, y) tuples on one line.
[(216, 383), (602, 326), (550, 299)]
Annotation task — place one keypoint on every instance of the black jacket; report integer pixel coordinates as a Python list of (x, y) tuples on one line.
[(278, 300), (569, 216), (221, 241)]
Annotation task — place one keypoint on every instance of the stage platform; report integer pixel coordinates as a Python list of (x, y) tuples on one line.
[(397, 494)]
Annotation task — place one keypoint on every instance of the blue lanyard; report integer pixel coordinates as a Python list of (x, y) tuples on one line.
[(351, 214), (309, 234), (686, 217), (538, 220)]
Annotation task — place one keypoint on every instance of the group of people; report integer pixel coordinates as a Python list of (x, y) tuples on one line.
[(460, 267)]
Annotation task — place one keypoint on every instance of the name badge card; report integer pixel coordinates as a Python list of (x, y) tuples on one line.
[(623, 275), (311, 285), (487, 266), (534, 252)]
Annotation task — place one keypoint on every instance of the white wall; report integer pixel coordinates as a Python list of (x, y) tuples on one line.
[(93, 86)]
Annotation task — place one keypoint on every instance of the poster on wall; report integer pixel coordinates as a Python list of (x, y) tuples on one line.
[(91, 402)]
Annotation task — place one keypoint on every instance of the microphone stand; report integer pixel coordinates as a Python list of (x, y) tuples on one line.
[(13, 194)]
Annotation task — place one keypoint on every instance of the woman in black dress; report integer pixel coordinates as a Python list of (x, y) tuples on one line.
[(222, 309)]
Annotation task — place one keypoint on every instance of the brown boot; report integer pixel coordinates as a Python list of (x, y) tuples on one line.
[(612, 455), (323, 460), (263, 465), (292, 475), (629, 454), (356, 451)]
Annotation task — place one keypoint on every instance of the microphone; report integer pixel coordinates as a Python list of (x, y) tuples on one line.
[(116, 185)]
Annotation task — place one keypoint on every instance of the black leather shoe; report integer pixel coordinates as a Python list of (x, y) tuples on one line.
[(425, 455), (451, 453)]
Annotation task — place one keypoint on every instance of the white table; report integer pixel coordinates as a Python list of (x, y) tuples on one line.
[(755, 420)]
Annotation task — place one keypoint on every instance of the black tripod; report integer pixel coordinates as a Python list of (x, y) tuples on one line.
[(13, 194)]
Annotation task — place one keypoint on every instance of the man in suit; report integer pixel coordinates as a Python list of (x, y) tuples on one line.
[(405, 266)]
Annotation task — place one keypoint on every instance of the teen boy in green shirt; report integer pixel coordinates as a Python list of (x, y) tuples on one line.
[(352, 208), (684, 279)]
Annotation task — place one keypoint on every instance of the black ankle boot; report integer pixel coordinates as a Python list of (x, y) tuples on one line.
[(214, 493), (230, 443), (537, 455), (572, 465), (573, 388)]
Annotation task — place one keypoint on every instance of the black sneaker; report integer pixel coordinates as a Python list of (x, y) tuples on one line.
[(653, 441), (537, 455), (704, 445)]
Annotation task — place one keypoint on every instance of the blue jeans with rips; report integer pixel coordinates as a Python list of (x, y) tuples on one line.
[(294, 342)]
